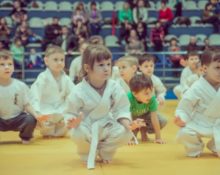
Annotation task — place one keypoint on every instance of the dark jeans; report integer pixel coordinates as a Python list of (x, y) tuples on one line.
[(24, 123)]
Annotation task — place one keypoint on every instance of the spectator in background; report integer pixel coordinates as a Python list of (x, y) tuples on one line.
[(157, 37), (24, 32), (140, 13), (18, 14), (175, 58), (4, 32), (207, 46), (209, 17), (68, 42), (142, 33), (165, 16), (125, 14), (34, 60), (79, 13), (17, 50), (52, 31), (124, 31), (192, 46), (134, 45), (95, 19)]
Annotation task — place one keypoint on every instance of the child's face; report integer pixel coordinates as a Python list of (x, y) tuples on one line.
[(147, 68), (212, 73), (6, 68), (144, 96), (192, 61), (101, 70), (55, 62), (126, 70)]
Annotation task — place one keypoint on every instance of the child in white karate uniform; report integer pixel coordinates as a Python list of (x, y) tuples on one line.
[(192, 60), (198, 113), (127, 66), (146, 66), (98, 109), (76, 64), (16, 113), (50, 91)]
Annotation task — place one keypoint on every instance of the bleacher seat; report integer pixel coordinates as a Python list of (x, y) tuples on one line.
[(107, 6), (9, 21), (200, 39), (36, 22), (50, 5), (201, 4), (190, 5), (119, 5), (65, 21), (195, 21), (65, 6), (214, 39), (111, 41), (184, 39)]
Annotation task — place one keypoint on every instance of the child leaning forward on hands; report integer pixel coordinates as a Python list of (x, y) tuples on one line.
[(98, 109), (144, 106)]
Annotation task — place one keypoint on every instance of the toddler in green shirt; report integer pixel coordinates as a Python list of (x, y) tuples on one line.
[(144, 106)]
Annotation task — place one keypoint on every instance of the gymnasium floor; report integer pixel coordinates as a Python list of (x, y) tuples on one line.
[(58, 156)]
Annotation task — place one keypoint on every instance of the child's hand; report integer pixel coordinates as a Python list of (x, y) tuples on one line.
[(138, 123), (179, 122), (160, 101), (74, 122), (159, 141), (43, 118)]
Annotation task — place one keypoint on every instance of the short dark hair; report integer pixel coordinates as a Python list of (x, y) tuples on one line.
[(192, 53), (210, 56), (140, 82), (145, 57)]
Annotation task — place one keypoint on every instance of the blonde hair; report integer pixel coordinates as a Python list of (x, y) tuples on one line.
[(131, 60), (52, 49), (5, 54), (92, 54)]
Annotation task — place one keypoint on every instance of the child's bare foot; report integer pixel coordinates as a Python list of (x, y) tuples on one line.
[(106, 161)]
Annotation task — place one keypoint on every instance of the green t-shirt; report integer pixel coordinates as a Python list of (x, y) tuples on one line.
[(137, 109)]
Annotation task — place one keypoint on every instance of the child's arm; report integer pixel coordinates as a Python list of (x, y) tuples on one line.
[(74, 121), (156, 126), (132, 125), (28, 108), (160, 90)]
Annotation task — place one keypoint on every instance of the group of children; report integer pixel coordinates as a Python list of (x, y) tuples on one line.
[(98, 114)]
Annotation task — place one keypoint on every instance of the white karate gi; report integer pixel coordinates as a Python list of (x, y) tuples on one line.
[(75, 68), (183, 86), (159, 88), (100, 130), (200, 122), (48, 97)]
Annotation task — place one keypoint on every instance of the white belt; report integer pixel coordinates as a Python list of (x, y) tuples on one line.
[(93, 146)]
